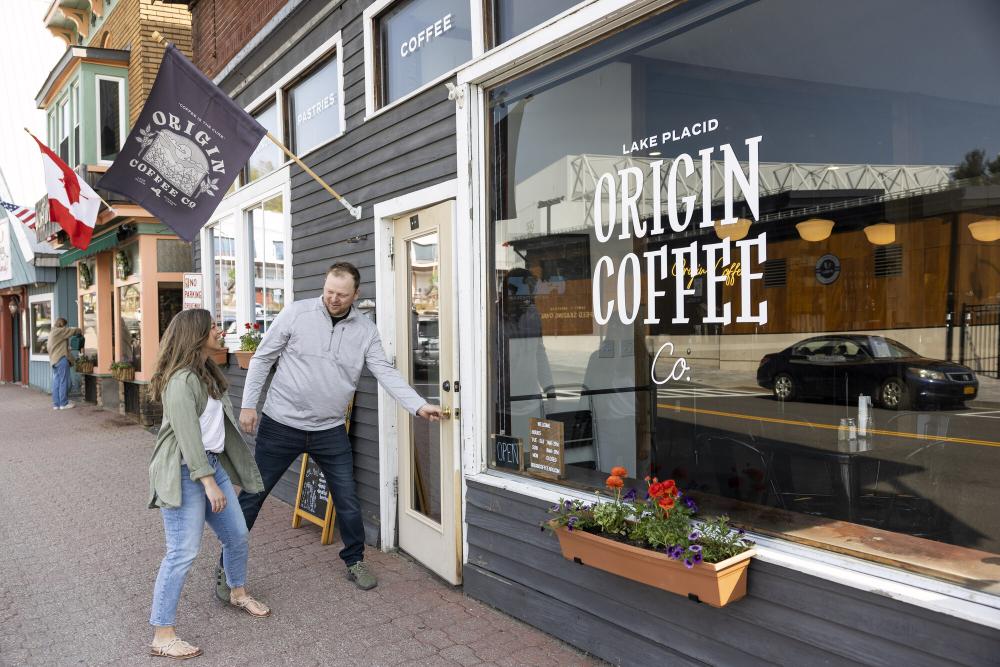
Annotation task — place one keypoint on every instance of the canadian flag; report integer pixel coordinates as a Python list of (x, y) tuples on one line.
[(72, 203)]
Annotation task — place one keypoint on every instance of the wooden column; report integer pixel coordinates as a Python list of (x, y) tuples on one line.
[(106, 319), (8, 346)]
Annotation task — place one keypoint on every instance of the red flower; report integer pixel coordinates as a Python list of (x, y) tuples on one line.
[(247, 325), (619, 471), (256, 325), (614, 482), (666, 503)]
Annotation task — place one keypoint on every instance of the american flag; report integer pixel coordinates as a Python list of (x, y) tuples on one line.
[(22, 213)]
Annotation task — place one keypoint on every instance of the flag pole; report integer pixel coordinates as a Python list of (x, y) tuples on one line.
[(354, 210), (110, 207)]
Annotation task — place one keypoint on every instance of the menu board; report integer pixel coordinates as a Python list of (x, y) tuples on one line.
[(545, 448)]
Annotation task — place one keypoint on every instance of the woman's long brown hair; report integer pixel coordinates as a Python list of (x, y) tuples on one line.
[(181, 348)]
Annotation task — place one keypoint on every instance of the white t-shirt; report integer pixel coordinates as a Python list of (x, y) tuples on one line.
[(213, 426)]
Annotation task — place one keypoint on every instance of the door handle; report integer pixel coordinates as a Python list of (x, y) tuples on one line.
[(446, 413)]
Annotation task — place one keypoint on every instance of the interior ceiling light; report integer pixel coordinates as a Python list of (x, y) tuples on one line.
[(987, 230), (735, 231), (815, 229), (882, 233)]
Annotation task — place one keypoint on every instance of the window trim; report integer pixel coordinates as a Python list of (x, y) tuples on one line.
[(277, 182), (373, 75), (122, 120), (32, 300), (587, 23), (300, 74)]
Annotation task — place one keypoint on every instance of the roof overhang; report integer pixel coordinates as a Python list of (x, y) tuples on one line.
[(70, 61)]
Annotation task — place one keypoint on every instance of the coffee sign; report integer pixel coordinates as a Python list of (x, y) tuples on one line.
[(546, 446)]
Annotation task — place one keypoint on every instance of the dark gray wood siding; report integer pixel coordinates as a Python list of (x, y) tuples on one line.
[(410, 147), (787, 618)]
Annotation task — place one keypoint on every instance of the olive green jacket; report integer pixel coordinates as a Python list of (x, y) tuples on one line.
[(184, 400)]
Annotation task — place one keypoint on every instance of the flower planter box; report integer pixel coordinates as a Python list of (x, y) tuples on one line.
[(124, 374), (220, 357), (243, 358), (85, 368), (715, 584)]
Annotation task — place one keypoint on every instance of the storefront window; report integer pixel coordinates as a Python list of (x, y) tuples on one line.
[(41, 325), (761, 262), (267, 223), (88, 311), (130, 325), (266, 157), (110, 120), (223, 240), (512, 17), (421, 40), (314, 107)]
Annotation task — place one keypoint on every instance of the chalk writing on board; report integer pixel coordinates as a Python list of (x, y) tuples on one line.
[(508, 452), (314, 490)]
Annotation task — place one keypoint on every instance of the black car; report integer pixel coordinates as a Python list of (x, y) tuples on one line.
[(844, 366)]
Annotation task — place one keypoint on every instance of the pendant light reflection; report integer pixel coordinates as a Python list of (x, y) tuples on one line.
[(882, 233), (986, 231), (815, 229), (735, 231)]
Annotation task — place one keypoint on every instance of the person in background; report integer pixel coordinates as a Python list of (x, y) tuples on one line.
[(323, 344), (58, 345), (199, 455)]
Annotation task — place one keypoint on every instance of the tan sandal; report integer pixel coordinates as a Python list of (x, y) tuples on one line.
[(255, 608), (175, 649)]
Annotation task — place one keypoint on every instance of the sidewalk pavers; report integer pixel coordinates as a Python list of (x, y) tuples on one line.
[(79, 552)]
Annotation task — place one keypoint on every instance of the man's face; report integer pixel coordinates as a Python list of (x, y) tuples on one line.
[(338, 294)]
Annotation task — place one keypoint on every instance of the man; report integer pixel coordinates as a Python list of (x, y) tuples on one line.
[(58, 344), (321, 345)]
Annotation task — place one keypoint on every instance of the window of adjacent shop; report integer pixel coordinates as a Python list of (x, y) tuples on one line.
[(39, 325), (129, 286), (64, 128), (249, 268), (110, 116), (412, 44), (762, 266), (75, 96), (86, 272), (314, 108), (510, 18)]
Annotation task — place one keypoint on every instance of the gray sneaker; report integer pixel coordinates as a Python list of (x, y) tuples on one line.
[(362, 576), (221, 587)]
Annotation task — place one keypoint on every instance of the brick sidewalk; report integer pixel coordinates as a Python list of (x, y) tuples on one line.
[(79, 552)]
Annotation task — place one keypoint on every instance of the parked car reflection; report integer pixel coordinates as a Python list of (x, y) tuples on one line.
[(844, 366)]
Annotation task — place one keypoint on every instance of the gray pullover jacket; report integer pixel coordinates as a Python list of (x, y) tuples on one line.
[(319, 366)]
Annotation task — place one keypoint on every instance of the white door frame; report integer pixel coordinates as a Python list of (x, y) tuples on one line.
[(385, 315)]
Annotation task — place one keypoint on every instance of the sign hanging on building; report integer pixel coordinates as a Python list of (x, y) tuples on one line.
[(186, 148), (194, 291)]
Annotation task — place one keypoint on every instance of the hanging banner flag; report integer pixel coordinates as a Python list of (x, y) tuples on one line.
[(72, 203), (22, 213), (186, 148)]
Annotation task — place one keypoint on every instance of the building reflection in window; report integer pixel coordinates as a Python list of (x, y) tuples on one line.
[(130, 325)]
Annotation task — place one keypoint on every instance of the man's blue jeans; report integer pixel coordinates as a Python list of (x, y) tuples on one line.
[(279, 445), (184, 526), (60, 382)]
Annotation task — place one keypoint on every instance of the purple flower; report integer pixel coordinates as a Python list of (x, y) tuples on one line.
[(688, 563), (697, 558), (694, 536), (695, 548), (567, 504), (741, 532), (572, 522), (630, 496), (691, 504), (675, 551)]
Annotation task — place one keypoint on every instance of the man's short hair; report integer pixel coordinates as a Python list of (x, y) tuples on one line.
[(345, 269), (61, 322)]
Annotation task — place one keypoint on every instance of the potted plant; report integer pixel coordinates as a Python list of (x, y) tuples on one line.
[(656, 541), (248, 344), (123, 370), (85, 363), (220, 356)]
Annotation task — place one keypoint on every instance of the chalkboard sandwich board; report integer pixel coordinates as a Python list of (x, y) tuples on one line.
[(508, 452), (313, 501)]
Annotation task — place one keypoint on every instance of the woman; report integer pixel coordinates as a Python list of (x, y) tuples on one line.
[(199, 455)]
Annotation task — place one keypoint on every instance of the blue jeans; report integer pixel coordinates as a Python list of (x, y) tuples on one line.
[(279, 445), (60, 382), (183, 527)]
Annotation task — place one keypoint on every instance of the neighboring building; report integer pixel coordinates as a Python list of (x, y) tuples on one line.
[(32, 293), (128, 281), (552, 193)]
